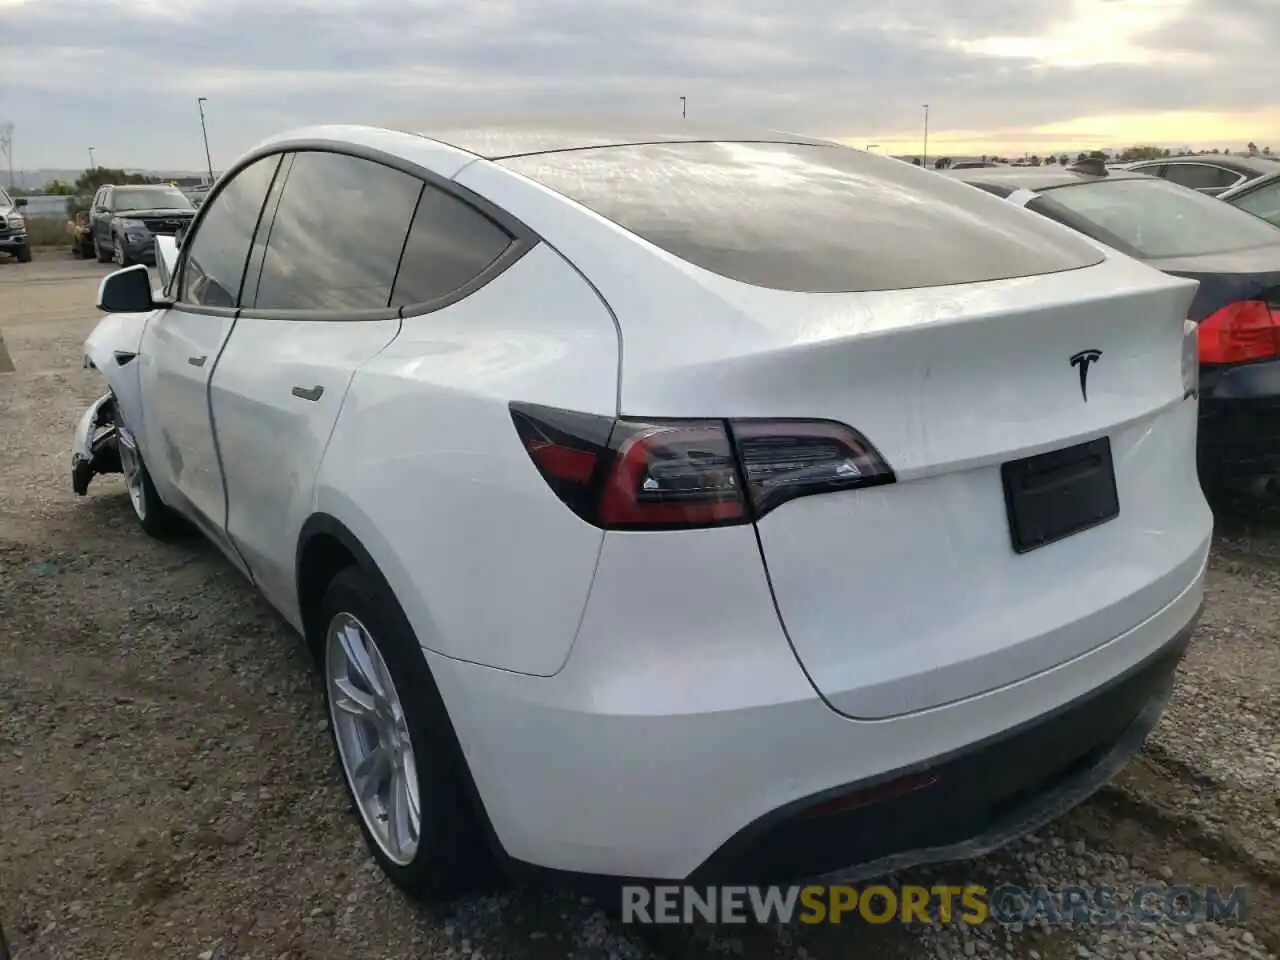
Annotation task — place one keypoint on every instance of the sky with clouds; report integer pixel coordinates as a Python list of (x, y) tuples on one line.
[(1000, 76)]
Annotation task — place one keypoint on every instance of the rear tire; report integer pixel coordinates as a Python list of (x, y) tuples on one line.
[(449, 856)]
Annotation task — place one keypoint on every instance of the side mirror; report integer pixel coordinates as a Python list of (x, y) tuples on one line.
[(126, 291), (20, 201)]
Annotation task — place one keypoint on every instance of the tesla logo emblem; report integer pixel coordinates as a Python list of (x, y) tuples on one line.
[(1083, 361)]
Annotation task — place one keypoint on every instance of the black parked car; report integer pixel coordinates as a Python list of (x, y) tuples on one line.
[(125, 221), (1208, 173), (1236, 258)]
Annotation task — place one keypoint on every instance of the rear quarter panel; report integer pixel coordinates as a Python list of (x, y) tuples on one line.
[(426, 470)]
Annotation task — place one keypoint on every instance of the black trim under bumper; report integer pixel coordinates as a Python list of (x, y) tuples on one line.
[(1239, 430), (962, 805)]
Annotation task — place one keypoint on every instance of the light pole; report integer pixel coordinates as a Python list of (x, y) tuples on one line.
[(205, 130), (684, 108), (92, 166), (924, 157)]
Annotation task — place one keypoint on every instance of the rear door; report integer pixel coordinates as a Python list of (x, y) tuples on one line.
[(324, 300)]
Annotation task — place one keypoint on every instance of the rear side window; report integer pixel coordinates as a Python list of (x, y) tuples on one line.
[(1200, 176), (449, 245), (335, 241), (216, 253), (814, 218)]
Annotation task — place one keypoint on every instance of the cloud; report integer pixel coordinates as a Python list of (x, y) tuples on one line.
[(123, 75)]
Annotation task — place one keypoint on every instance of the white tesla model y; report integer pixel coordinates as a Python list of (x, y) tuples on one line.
[(673, 505)]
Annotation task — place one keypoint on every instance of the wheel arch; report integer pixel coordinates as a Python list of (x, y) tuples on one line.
[(326, 546)]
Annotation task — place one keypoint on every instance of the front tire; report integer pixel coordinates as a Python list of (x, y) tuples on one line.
[(118, 252), (402, 767), (24, 254), (155, 518)]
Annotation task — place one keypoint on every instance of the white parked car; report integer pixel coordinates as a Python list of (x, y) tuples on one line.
[(673, 505)]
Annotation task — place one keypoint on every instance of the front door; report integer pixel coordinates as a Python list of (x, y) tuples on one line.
[(181, 347)]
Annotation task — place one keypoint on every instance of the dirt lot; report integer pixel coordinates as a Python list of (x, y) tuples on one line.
[(167, 788)]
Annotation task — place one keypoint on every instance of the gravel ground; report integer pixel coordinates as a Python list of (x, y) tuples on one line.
[(168, 790)]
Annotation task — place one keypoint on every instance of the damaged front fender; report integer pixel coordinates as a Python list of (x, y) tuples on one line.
[(113, 348), (94, 449)]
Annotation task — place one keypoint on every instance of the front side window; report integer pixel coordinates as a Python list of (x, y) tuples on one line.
[(4, 199), (1263, 202), (336, 238), (1155, 219), (216, 252)]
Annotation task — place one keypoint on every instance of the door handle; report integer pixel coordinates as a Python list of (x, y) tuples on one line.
[(197, 361), (304, 393)]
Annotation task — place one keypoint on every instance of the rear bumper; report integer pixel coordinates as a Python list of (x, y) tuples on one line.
[(963, 805), (1239, 431), (665, 752)]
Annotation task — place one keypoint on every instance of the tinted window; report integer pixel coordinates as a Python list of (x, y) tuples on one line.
[(1158, 219), (1200, 176), (1263, 202), (807, 217), (336, 238), (219, 245), (450, 243)]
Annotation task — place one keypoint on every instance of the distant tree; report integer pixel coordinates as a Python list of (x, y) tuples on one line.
[(1266, 151), (58, 188), (1034, 160), (91, 180), (1051, 159), (1081, 157), (1226, 152), (1097, 155), (1063, 159), (1253, 147), (1129, 154), (942, 163)]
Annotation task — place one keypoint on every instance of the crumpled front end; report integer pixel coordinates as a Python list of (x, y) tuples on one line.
[(93, 449)]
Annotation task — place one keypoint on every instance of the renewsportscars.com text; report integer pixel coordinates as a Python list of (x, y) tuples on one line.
[(970, 904)]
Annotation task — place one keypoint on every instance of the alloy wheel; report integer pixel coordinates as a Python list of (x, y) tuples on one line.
[(373, 739), (131, 467)]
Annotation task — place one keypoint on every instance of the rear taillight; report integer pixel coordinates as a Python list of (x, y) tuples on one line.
[(1240, 332), (673, 474)]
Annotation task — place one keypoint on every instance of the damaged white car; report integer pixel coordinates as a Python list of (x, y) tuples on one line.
[(673, 506)]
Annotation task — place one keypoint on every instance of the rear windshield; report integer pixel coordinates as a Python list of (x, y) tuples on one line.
[(821, 219), (1160, 220)]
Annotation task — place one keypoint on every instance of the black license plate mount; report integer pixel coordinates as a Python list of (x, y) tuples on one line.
[(1055, 495)]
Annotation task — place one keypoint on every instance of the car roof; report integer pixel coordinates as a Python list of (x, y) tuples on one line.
[(1244, 163), (140, 186), (502, 138), (1039, 178)]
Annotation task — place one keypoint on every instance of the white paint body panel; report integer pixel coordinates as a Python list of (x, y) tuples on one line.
[(426, 469), (272, 442), (120, 332)]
